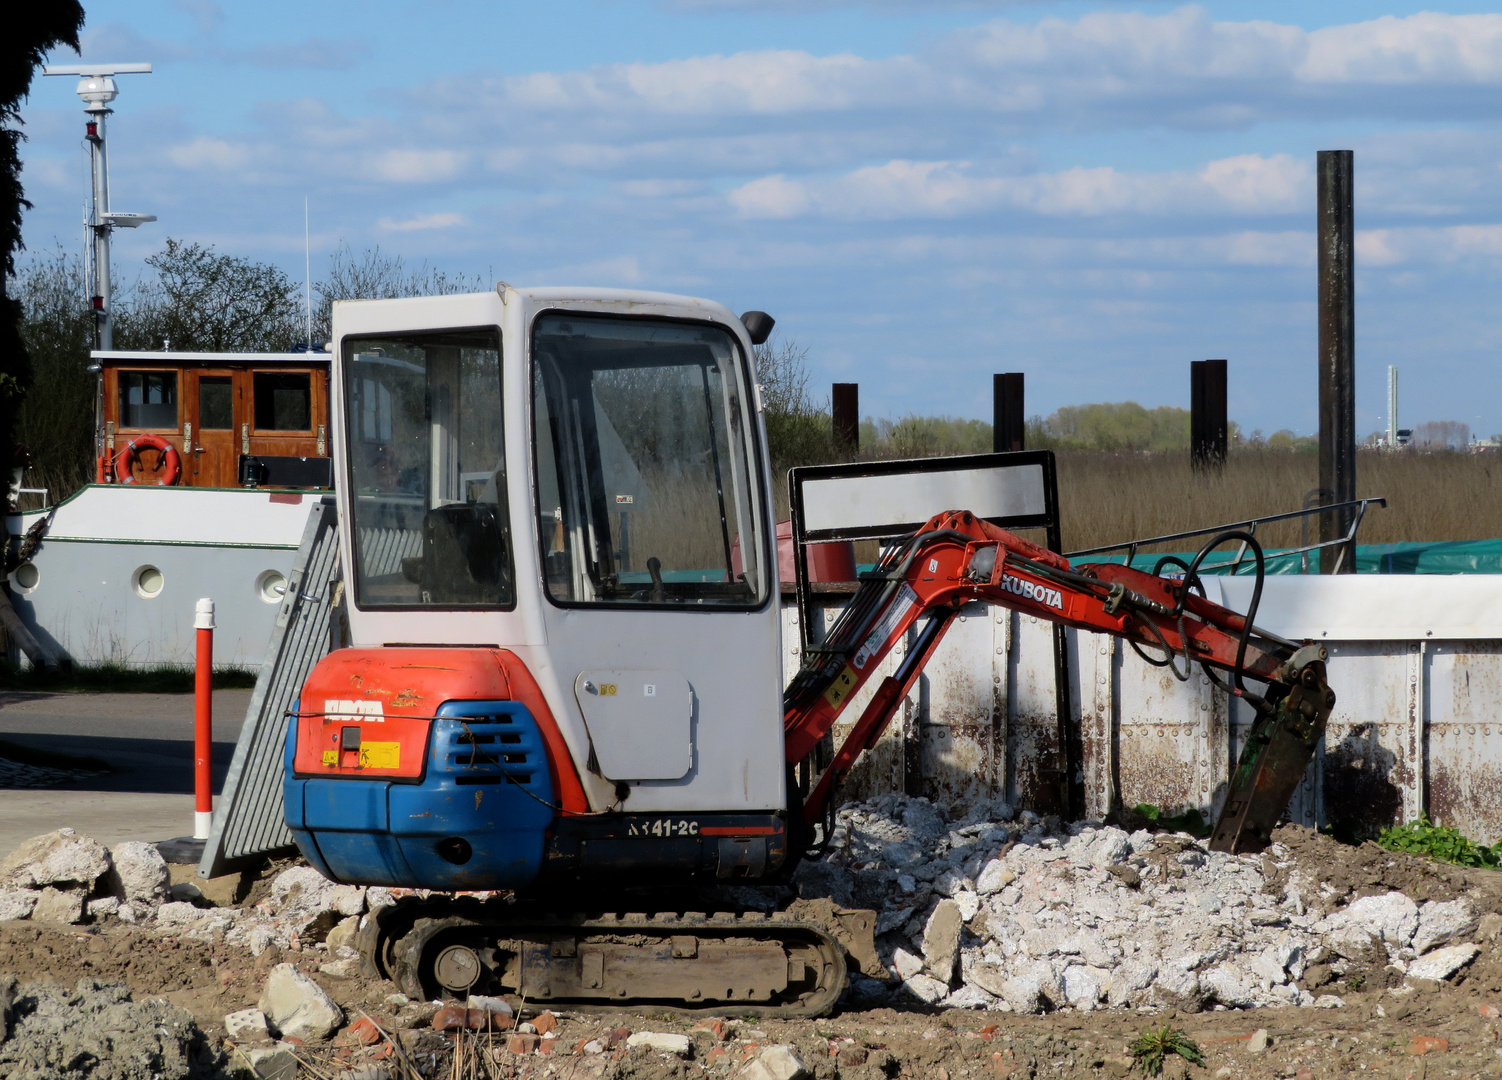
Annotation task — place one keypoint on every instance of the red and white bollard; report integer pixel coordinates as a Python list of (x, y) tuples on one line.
[(203, 721)]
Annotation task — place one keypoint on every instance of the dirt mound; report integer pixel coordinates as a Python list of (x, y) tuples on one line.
[(97, 1031), (1343, 873)]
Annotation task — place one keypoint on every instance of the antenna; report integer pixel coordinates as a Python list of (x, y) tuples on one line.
[(307, 273), (97, 88)]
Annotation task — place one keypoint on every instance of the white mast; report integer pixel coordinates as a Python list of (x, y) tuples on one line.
[(1392, 405), (97, 88)]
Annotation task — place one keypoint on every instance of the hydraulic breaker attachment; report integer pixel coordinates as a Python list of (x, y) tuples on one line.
[(1276, 755)]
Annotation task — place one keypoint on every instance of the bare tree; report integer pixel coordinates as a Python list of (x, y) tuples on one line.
[(1442, 435), (374, 275)]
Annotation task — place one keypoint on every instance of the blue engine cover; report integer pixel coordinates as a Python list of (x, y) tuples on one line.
[(477, 819)]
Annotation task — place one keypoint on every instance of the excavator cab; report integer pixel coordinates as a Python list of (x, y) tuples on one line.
[(556, 532)]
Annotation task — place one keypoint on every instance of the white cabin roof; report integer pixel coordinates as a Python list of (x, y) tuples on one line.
[(177, 359)]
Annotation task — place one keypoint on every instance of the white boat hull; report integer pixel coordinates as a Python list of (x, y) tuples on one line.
[(91, 590)]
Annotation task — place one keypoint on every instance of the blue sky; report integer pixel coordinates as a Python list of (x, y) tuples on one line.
[(1093, 193)]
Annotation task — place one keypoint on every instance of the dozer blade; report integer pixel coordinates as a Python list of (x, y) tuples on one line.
[(1276, 755)]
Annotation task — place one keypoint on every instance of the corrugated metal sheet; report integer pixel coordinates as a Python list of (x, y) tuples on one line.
[(248, 822)]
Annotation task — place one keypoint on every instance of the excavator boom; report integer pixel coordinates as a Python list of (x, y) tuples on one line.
[(957, 558)]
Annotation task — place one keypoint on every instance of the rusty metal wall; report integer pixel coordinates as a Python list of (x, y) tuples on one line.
[(1416, 664)]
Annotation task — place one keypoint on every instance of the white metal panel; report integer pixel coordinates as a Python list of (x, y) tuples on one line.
[(640, 722), (901, 498), (135, 513), (1371, 607)]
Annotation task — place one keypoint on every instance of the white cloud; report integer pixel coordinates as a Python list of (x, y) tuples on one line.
[(422, 222), (1245, 184), (418, 166), (207, 152), (1430, 47), (770, 197)]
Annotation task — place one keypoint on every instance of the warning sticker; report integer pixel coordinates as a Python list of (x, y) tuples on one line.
[(331, 757), (380, 755), (840, 689), (906, 598)]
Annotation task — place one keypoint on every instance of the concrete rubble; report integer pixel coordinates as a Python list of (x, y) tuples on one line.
[(97, 1026), (1006, 912)]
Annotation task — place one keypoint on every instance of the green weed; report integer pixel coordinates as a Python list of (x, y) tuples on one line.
[(1423, 837), (1155, 1044)]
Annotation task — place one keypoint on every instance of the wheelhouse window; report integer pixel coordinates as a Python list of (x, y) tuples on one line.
[(644, 476), (216, 403), (427, 475), (283, 400), (148, 399)]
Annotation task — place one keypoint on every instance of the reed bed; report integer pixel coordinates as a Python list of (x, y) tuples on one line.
[(1108, 498)]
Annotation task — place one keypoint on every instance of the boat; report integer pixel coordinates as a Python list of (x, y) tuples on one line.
[(208, 465)]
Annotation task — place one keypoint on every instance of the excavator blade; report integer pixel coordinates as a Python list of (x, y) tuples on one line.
[(1276, 755)]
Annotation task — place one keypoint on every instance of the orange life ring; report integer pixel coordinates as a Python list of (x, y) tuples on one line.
[(171, 462)]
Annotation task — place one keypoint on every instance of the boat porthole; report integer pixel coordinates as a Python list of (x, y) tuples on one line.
[(147, 581), (271, 586), (26, 577)]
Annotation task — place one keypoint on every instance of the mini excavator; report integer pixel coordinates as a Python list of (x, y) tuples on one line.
[(562, 709)]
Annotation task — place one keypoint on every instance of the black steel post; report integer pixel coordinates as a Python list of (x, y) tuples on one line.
[(845, 405), (1008, 417), (1208, 434), (1337, 351)]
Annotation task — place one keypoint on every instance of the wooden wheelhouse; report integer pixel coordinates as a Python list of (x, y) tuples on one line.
[(230, 419)]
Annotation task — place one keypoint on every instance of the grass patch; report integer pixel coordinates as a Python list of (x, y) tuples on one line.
[(1423, 837), (1154, 1045), (49, 759), (115, 679)]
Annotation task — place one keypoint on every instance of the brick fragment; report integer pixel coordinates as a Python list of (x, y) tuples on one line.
[(1491, 1012), (364, 1031), (1427, 1044), (715, 1027), (616, 1036), (523, 1044), (545, 1023), (451, 1018)]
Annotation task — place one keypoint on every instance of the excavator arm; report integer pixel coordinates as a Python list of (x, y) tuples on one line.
[(957, 558)]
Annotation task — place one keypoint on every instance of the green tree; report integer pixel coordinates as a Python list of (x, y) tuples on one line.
[(31, 31)]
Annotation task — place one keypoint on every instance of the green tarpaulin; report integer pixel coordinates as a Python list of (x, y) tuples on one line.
[(1440, 557)]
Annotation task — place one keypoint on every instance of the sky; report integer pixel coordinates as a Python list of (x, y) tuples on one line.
[(922, 193)]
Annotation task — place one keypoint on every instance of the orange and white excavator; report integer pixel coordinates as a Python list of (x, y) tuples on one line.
[(563, 712)]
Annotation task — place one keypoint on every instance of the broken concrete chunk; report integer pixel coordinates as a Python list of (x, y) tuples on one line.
[(140, 874), (297, 1006), (1392, 916), (994, 877), (941, 941), (906, 964), (1443, 922), (59, 906), (1228, 985), (681, 1045), (926, 989), (1442, 963), (57, 858), (780, 1062), (16, 903)]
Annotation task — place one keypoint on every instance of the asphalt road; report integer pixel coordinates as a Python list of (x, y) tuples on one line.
[(147, 741)]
